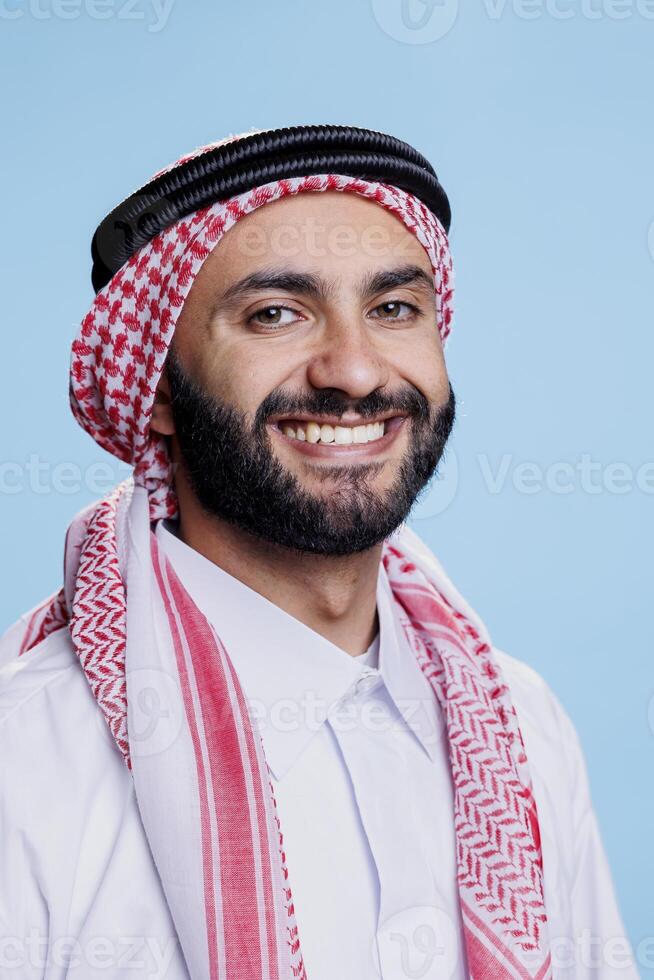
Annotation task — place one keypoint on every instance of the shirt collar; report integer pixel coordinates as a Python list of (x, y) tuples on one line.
[(291, 675), (403, 677)]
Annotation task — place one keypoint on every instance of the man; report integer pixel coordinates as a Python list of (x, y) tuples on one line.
[(258, 734)]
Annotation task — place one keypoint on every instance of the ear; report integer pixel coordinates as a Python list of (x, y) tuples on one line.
[(161, 420)]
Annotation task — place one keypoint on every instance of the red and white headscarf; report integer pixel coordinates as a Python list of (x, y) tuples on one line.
[(204, 789)]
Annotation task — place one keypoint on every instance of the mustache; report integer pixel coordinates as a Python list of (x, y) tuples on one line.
[(330, 401)]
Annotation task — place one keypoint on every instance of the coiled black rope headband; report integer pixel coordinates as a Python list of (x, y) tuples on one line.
[(240, 165)]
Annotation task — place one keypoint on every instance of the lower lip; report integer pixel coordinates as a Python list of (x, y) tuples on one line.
[(352, 451)]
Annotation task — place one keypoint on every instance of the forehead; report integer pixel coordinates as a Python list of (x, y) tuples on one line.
[(333, 233)]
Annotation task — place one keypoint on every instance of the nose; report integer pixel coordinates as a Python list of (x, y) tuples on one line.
[(347, 358)]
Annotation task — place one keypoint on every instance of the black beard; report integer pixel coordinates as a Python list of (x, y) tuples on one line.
[(235, 475)]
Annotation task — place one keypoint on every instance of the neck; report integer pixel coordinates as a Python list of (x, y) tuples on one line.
[(335, 596)]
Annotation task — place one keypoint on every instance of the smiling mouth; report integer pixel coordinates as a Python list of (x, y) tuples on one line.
[(316, 432)]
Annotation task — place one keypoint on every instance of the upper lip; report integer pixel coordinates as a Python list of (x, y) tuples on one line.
[(334, 419)]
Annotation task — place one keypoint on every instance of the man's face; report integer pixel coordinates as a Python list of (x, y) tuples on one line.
[(310, 398)]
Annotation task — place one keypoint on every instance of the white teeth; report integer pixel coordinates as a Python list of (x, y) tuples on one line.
[(341, 435), (326, 433), (313, 432)]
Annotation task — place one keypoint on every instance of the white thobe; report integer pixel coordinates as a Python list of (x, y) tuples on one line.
[(363, 788)]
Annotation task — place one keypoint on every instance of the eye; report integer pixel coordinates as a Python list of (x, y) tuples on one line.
[(395, 309), (274, 316)]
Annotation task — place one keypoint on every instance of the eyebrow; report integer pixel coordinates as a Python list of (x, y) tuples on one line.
[(315, 287), (405, 275)]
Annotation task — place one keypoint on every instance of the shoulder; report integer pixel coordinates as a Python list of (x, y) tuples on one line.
[(579, 890), (533, 698), (556, 759), (50, 724), (67, 803), (24, 675), (58, 762), (539, 710)]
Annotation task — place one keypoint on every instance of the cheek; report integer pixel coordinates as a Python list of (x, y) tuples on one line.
[(243, 377), (421, 362)]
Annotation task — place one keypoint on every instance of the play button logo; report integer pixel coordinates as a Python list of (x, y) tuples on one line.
[(416, 21)]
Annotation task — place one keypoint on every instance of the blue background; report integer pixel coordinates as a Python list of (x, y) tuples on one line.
[(538, 120)]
